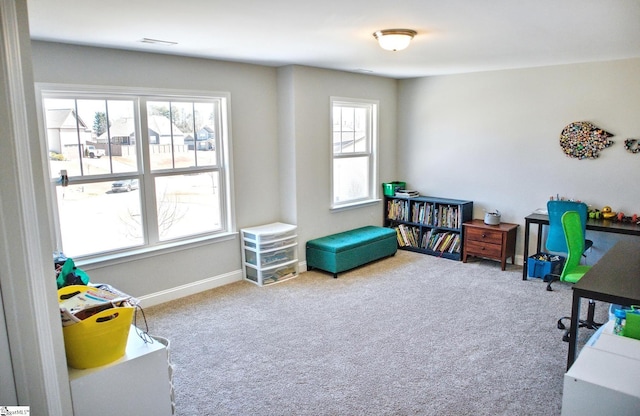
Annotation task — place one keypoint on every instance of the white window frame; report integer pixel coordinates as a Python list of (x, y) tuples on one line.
[(372, 150), (152, 244)]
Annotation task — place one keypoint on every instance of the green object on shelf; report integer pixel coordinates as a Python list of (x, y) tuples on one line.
[(390, 188)]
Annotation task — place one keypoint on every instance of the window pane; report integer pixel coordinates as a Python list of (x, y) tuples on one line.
[(182, 118), (164, 136), (350, 178), (188, 204), (94, 219), (207, 124), (78, 137), (360, 130), (66, 135), (118, 136), (350, 129)]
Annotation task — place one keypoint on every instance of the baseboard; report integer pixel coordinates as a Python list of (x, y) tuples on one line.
[(178, 292)]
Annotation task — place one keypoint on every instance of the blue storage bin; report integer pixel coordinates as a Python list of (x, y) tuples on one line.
[(542, 264)]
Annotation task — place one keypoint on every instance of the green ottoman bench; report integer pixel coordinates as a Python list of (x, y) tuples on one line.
[(343, 251)]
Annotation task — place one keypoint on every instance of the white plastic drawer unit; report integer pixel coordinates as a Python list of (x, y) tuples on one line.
[(269, 253), (270, 257)]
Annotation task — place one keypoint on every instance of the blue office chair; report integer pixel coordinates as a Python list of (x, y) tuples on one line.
[(556, 241), (572, 270)]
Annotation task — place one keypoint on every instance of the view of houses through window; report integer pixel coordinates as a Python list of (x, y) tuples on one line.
[(142, 170)]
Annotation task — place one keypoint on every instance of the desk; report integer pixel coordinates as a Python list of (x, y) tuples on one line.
[(605, 226), (615, 278)]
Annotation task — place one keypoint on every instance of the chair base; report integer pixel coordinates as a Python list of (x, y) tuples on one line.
[(550, 278), (588, 323)]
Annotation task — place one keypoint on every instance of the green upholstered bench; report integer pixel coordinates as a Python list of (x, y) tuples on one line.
[(343, 251)]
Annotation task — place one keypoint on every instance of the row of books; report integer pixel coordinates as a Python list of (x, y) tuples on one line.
[(424, 213), (398, 210), (409, 236), (448, 216), (447, 242)]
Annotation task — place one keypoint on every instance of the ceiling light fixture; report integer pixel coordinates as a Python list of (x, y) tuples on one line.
[(394, 39)]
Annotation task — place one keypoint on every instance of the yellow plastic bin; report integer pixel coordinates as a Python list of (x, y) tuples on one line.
[(99, 339)]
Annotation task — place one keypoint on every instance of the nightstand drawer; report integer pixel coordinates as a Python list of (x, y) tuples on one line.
[(484, 235), (483, 249)]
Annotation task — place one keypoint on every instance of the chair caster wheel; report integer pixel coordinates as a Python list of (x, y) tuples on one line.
[(566, 337), (561, 325)]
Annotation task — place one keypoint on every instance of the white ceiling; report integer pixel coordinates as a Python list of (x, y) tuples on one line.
[(454, 36)]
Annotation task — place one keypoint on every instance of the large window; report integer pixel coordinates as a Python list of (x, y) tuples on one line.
[(354, 161), (144, 170)]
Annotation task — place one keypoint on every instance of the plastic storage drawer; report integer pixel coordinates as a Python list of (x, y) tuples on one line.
[(274, 275), (272, 244), (270, 258)]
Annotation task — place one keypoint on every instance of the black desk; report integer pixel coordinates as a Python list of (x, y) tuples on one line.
[(615, 278), (606, 226)]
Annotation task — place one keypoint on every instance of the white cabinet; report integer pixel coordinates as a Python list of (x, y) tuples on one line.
[(136, 384), (269, 253), (605, 378)]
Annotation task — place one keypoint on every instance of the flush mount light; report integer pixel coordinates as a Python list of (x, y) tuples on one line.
[(394, 39)]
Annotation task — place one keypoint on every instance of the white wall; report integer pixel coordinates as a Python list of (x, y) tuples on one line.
[(254, 147), (493, 138), (281, 148), (307, 121)]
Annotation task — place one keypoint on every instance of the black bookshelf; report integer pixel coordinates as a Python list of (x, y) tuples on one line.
[(428, 225)]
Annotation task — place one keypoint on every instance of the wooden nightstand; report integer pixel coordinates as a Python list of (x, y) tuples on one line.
[(496, 242)]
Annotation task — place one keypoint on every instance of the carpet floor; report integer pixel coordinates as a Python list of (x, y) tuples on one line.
[(408, 335)]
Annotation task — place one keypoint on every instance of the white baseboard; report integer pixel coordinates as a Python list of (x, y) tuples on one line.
[(178, 292)]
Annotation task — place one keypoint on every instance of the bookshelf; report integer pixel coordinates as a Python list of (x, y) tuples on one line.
[(428, 225)]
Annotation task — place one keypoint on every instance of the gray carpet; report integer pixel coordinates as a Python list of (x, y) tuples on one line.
[(409, 335)]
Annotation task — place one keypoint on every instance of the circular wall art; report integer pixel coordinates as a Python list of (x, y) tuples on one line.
[(583, 140)]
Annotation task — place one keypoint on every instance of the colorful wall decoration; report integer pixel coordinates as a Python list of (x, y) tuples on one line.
[(632, 146), (583, 140)]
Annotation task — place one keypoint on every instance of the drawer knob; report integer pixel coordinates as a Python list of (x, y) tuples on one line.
[(484, 235)]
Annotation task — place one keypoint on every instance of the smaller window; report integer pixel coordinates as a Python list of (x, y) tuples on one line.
[(353, 141)]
